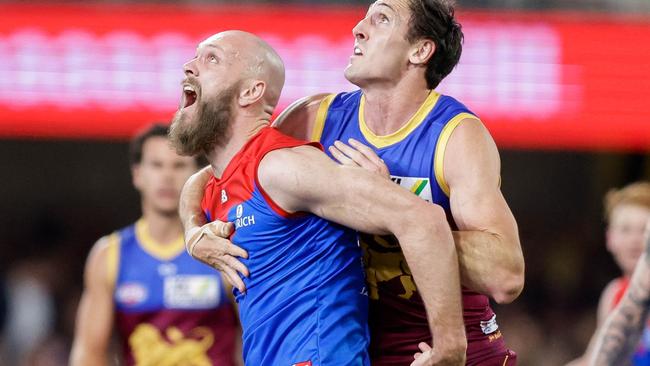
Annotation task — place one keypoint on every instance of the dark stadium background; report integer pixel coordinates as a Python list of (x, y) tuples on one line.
[(61, 190)]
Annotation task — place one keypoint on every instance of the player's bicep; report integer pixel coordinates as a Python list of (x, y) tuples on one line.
[(95, 313), (472, 171)]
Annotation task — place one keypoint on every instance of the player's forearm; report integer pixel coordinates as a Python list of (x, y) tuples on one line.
[(621, 332), (82, 356), (432, 259), (190, 202), (490, 264)]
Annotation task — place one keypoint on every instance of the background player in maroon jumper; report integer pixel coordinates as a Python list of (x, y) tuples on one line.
[(626, 212), (167, 308), (403, 49), (230, 91)]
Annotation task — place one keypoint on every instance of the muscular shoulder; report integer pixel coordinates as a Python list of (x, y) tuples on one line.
[(298, 119), (471, 151), (101, 265)]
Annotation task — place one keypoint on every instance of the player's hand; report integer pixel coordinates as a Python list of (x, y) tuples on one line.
[(358, 154), (210, 245), (428, 357)]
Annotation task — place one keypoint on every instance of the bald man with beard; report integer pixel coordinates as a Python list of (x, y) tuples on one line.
[(295, 212)]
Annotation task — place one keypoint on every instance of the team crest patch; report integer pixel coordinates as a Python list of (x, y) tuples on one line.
[(191, 292), (131, 294)]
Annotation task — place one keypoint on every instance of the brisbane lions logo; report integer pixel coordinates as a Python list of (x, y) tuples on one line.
[(151, 348)]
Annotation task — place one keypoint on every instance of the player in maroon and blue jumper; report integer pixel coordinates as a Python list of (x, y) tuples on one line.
[(166, 308)]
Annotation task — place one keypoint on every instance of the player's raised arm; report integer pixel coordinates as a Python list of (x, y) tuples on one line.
[(490, 255), (305, 179), (95, 314)]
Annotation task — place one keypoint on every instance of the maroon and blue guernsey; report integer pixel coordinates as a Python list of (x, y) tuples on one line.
[(414, 155), (305, 302), (169, 308)]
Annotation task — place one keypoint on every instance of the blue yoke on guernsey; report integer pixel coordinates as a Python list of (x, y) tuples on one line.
[(414, 155), (305, 302), (170, 309)]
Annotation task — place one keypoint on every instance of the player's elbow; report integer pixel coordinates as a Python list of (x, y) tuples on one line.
[(510, 286), (424, 220)]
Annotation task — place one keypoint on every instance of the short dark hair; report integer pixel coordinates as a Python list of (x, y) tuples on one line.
[(434, 20), (154, 130)]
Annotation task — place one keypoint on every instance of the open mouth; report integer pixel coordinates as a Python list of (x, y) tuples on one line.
[(357, 51), (189, 96)]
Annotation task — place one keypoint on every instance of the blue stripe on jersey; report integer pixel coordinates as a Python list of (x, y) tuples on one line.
[(306, 298), (146, 283), (410, 160)]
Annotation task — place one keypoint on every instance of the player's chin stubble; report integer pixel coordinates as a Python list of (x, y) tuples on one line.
[(210, 126)]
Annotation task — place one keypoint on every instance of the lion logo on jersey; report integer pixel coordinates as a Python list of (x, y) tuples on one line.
[(151, 348), (384, 264)]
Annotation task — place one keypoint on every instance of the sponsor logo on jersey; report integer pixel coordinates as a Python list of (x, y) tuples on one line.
[(191, 292), (241, 220), (224, 196), (131, 293), (489, 326), (421, 187)]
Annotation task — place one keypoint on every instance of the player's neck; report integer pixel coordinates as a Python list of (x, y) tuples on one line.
[(163, 228), (242, 131), (387, 109)]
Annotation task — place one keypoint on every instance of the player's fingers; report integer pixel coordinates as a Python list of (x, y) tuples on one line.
[(233, 278), (355, 155), (235, 251), (418, 360), (424, 347), (340, 157), (220, 228), (378, 165), (235, 264), (366, 151)]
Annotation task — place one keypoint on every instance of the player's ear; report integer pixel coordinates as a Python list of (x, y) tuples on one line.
[(422, 51), (251, 94)]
